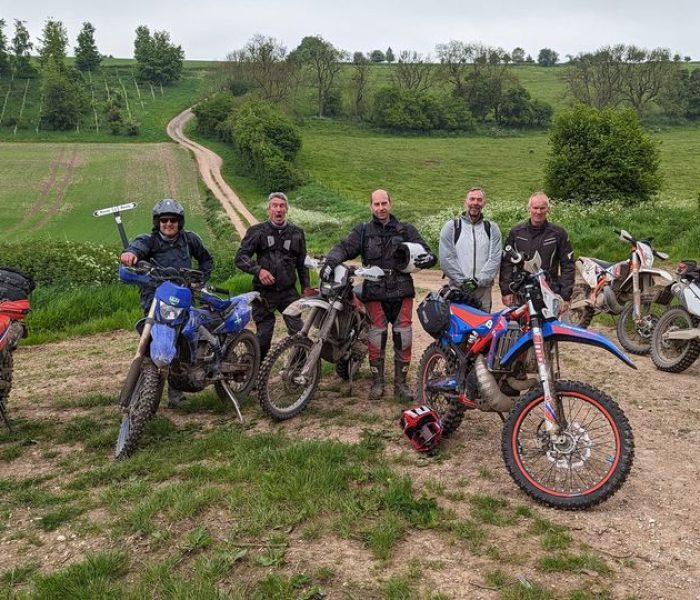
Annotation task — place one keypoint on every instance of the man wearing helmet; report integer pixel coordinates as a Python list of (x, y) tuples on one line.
[(168, 245), (389, 300), (274, 253)]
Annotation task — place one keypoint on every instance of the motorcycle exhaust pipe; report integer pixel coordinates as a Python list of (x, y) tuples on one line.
[(522, 384), (613, 305), (492, 398)]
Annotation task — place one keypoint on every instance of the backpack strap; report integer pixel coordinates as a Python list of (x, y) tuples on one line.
[(457, 229)]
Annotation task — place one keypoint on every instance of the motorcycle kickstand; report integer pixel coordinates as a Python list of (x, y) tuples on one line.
[(3, 415), (232, 398)]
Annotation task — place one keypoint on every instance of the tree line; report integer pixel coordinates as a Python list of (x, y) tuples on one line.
[(64, 88)]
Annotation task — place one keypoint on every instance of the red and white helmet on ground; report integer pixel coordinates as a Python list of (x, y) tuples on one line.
[(422, 427)]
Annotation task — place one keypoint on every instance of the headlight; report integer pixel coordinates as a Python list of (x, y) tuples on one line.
[(169, 313)]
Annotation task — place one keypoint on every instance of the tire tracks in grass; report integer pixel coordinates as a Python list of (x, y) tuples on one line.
[(55, 206)]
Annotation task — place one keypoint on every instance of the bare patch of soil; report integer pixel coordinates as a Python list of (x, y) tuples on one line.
[(649, 532)]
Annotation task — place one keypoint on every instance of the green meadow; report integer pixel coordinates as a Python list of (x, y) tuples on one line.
[(52, 189)]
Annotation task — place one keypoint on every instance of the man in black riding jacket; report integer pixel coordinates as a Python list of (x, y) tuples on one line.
[(280, 249), (389, 300), (168, 245), (538, 235)]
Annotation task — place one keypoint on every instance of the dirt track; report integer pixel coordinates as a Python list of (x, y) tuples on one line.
[(209, 165)]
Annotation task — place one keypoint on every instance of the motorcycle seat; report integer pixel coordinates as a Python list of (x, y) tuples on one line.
[(603, 263)]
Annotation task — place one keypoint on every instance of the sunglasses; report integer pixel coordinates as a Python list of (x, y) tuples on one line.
[(169, 220)]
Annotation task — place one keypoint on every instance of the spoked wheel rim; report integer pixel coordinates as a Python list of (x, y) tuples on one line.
[(584, 458), (673, 350), (286, 388), (635, 336), (437, 369), (243, 355)]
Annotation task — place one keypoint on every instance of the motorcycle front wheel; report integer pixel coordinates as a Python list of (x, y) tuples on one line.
[(636, 337), (436, 368), (588, 462), (143, 405), (282, 391), (241, 365), (674, 356)]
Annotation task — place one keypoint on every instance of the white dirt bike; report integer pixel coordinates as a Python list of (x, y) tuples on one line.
[(675, 343), (633, 289)]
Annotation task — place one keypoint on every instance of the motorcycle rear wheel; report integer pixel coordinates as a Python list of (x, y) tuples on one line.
[(143, 404), (636, 337), (591, 462), (436, 364), (244, 353), (280, 396), (674, 356), (580, 317)]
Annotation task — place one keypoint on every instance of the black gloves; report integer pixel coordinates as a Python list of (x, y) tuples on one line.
[(469, 285), (423, 261), (326, 273)]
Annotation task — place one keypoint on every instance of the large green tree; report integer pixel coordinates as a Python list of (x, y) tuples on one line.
[(65, 99), (54, 42), (20, 58), (547, 57), (601, 155), (261, 65), (158, 60), (322, 61), (87, 57)]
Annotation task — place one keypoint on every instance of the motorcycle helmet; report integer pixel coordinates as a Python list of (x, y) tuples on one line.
[(422, 427), (405, 255), (168, 206)]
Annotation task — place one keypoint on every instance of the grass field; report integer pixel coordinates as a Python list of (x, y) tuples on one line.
[(49, 189), (151, 106)]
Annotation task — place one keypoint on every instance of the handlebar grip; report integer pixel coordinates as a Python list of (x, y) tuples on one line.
[(218, 290)]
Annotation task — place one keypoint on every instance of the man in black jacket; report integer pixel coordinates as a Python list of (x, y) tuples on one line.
[(280, 249), (169, 245), (389, 300), (537, 234)]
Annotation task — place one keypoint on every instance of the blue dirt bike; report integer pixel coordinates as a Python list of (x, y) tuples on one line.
[(190, 346), (565, 443)]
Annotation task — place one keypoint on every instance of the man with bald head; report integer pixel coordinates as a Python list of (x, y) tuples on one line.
[(389, 300), (538, 235)]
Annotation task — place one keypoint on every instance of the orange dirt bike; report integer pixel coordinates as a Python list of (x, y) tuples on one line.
[(633, 289), (15, 288)]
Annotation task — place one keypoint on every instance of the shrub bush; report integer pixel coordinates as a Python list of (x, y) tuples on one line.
[(410, 110), (213, 112), (267, 143), (600, 155)]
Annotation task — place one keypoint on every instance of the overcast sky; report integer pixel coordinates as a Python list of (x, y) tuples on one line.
[(207, 29)]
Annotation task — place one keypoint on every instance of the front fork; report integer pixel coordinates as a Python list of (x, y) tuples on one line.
[(544, 370), (636, 290), (315, 353)]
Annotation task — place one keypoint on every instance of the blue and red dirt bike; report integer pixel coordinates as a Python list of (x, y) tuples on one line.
[(192, 338), (565, 443), (15, 288)]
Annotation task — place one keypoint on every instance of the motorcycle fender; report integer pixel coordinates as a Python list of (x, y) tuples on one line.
[(296, 307), (661, 277), (163, 348), (556, 331), (589, 271)]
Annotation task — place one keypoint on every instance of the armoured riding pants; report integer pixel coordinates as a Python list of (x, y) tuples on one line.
[(397, 312)]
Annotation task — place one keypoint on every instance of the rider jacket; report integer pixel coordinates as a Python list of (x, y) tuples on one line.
[(174, 252), (552, 243), (279, 250), (377, 245)]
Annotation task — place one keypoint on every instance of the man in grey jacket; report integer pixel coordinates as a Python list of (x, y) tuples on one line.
[(470, 249)]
